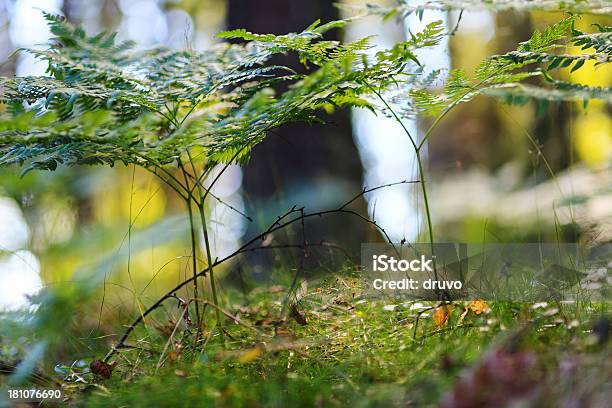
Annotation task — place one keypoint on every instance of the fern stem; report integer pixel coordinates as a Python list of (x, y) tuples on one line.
[(194, 262), (171, 176), (427, 210), (397, 119), (213, 284), (417, 152), (194, 266)]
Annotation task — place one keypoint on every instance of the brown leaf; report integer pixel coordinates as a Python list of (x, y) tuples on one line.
[(101, 369), (297, 315), (284, 333)]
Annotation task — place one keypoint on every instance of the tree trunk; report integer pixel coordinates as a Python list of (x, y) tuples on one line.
[(298, 163)]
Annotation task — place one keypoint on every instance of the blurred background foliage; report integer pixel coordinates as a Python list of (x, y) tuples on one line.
[(489, 183)]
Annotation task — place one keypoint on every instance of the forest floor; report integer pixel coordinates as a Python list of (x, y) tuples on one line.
[(335, 349)]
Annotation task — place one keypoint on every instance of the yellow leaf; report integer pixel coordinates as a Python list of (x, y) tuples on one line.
[(478, 306), (441, 315), (251, 355)]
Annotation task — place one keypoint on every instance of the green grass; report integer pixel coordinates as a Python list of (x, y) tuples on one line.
[(352, 352)]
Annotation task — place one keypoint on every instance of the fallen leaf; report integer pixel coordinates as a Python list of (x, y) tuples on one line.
[(297, 315), (251, 354), (441, 315), (285, 333), (101, 368), (478, 306)]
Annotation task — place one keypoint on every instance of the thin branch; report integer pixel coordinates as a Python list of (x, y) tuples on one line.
[(277, 225), (454, 30)]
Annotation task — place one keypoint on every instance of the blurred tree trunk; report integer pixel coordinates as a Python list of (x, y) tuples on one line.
[(296, 160)]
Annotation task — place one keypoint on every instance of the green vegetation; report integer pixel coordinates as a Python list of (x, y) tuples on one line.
[(367, 353), (181, 114)]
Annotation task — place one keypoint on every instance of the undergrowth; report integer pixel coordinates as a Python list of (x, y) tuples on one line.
[(343, 350)]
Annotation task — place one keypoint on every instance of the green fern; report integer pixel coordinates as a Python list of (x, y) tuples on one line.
[(104, 101), (504, 76)]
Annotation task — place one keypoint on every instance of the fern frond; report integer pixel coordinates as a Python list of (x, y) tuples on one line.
[(105, 101), (519, 94), (503, 76)]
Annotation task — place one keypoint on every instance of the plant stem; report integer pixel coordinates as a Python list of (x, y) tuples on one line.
[(417, 152), (427, 211), (194, 265), (213, 285), (194, 261)]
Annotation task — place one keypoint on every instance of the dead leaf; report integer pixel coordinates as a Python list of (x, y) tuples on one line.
[(299, 317), (441, 315), (284, 333), (101, 368), (478, 306), (251, 354)]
